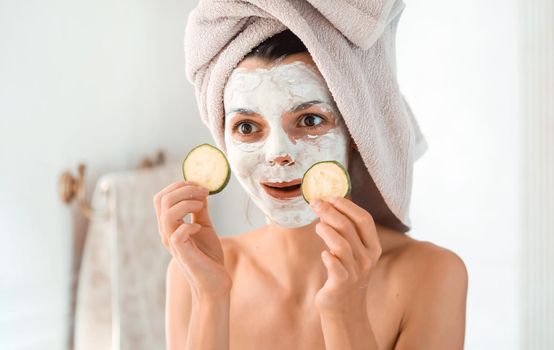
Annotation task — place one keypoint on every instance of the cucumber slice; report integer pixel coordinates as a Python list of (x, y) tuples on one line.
[(324, 180), (208, 166)]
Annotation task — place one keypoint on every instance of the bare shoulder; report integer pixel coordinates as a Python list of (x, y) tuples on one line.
[(427, 260), (236, 247), (435, 266), (434, 280), (423, 268)]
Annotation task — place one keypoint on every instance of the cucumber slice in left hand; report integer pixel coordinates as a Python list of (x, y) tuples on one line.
[(324, 180), (207, 165)]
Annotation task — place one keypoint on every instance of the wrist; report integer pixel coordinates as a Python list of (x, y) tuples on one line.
[(343, 316), (212, 298), (353, 324), (332, 316), (214, 294), (212, 305)]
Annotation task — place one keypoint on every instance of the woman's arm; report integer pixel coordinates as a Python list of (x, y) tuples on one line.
[(194, 322), (351, 235), (435, 307), (350, 331), (196, 274), (178, 304), (209, 328), (434, 280)]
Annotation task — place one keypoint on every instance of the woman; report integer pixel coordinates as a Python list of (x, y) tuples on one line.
[(319, 276)]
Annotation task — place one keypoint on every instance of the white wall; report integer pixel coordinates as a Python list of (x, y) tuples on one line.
[(458, 68), (99, 82), (103, 83)]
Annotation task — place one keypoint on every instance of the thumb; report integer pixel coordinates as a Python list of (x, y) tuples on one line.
[(202, 217)]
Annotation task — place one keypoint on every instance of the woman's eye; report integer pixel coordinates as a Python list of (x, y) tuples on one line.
[(246, 128), (311, 120)]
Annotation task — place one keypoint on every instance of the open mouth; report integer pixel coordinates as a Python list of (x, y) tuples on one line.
[(283, 190)]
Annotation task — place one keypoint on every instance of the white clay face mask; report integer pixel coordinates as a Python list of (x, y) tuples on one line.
[(268, 144)]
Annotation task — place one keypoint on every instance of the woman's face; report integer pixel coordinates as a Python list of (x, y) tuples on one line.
[(279, 120)]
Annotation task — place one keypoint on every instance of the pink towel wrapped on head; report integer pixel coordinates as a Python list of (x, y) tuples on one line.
[(353, 45)]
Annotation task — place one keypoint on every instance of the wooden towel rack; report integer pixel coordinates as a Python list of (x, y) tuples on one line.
[(70, 187)]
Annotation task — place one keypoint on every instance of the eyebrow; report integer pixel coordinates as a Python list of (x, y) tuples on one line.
[(296, 108)]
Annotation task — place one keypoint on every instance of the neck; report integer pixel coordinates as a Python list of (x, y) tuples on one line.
[(295, 256)]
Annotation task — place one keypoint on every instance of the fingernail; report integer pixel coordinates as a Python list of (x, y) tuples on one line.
[(318, 230), (333, 199), (316, 203)]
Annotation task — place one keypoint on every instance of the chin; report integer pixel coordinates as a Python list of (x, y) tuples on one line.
[(292, 219)]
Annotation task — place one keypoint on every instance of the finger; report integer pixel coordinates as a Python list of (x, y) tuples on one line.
[(200, 193), (187, 192), (184, 231), (177, 212), (362, 219), (338, 245), (336, 271), (158, 199), (184, 247), (169, 247), (158, 196), (342, 224), (202, 216), (175, 216)]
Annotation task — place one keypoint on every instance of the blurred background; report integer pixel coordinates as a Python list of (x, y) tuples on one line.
[(102, 83)]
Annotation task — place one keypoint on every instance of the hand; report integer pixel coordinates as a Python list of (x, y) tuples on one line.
[(350, 233), (194, 245)]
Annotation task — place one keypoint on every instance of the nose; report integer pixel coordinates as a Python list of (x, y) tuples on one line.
[(280, 149), (283, 160)]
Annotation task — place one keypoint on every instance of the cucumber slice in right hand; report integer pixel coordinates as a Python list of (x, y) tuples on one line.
[(207, 165), (324, 180)]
